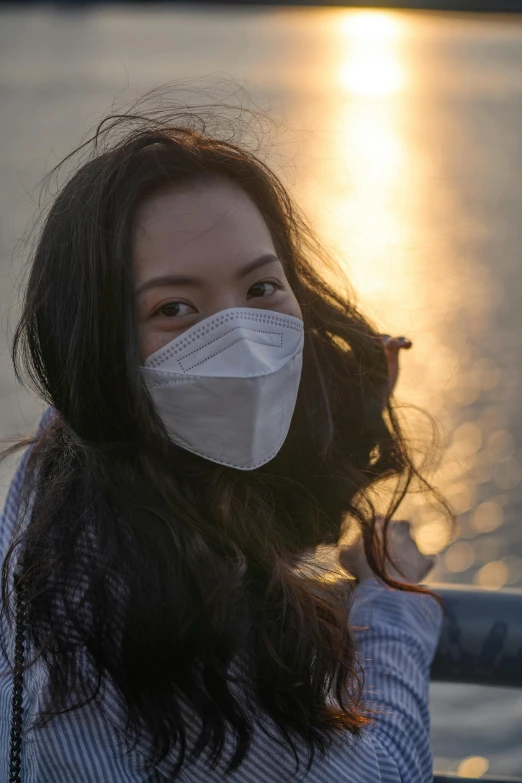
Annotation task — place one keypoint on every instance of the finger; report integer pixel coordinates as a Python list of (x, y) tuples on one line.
[(404, 341), (350, 561), (400, 523), (350, 552), (431, 562), (346, 561), (401, 342), (394, 345), (404, 525)]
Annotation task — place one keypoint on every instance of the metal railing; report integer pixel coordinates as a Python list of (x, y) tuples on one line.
[(480, 644), (487, 779)]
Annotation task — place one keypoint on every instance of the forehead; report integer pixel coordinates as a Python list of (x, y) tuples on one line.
[(191, 223)]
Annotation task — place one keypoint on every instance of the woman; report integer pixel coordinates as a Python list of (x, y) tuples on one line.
[(216, 412)]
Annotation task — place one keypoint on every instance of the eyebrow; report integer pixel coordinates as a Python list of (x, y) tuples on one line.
[(171, 280)]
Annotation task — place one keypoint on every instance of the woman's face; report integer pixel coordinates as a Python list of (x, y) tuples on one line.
[(200, 249)]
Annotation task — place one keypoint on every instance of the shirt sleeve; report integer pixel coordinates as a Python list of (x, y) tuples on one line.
[(12, 499), (396, 634)]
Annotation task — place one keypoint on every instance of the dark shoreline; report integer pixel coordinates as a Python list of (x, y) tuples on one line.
[(477, 6), (459, 6)]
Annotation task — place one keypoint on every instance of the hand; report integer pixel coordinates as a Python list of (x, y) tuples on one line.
[(407, 564), (392, 346)]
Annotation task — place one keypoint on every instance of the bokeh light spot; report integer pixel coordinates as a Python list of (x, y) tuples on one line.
[(488, 516), (508, 474), (461, 496), (514, 566), (459, 557), (467, 439), (487, 373), (501, 445), (473, 767), (483, 467), (493, 575), (432, 536)]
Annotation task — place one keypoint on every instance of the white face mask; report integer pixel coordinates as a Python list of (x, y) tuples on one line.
[(226, 388)]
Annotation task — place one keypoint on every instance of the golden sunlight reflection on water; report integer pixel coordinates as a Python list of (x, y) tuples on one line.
[(397, 219), (370, 69)]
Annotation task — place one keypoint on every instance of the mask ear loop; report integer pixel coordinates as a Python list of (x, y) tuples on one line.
[(18, 681)]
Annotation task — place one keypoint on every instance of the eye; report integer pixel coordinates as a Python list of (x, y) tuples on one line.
[(174, 309), (264, 288)]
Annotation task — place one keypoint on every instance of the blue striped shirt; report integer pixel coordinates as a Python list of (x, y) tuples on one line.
[(396, 636)]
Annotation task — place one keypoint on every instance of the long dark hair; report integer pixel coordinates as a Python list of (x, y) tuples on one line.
[(175, 578)]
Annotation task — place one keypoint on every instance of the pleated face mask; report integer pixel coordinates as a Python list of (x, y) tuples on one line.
[(226, 388)]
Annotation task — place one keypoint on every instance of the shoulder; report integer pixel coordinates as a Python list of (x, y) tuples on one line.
[(47, 417), (12, 499)]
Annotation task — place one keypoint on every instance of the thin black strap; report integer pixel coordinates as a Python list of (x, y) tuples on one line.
[(18, 682)]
